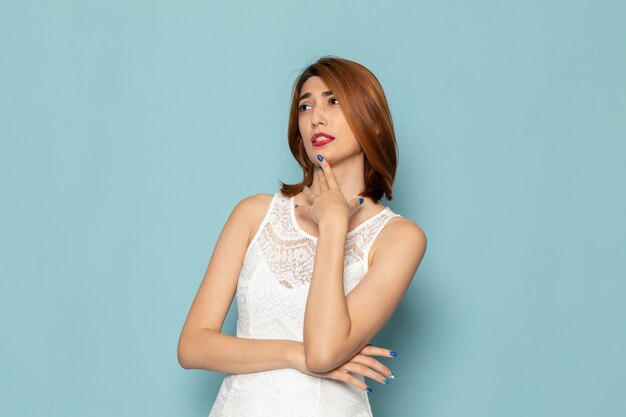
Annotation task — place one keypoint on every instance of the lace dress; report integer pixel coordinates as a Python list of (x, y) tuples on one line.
[(271, 298)]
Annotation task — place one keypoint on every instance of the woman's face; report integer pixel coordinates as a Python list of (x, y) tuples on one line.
[(323, 126)]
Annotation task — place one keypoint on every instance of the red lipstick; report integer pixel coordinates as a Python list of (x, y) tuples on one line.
[(321, 141)]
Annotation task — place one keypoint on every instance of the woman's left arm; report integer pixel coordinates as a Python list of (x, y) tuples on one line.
[(336, 326)]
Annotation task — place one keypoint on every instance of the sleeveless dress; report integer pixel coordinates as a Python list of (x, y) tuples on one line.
[(271, 298)]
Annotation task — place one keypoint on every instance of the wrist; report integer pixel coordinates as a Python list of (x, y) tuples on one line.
[(336, 224), (295, 355)]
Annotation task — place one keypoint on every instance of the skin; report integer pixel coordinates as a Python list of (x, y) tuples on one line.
[(337, 327)]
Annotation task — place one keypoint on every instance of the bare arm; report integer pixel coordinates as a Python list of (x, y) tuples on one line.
[(201, 344), (214, 351), (337, 326), (326, 318)]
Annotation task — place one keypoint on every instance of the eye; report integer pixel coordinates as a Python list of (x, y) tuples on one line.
[(302, 107), (333, 100)]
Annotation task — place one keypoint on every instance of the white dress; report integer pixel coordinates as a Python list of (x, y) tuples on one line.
[(271, 298)]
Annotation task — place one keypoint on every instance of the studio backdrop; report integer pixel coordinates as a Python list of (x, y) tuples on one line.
[(130, 130)]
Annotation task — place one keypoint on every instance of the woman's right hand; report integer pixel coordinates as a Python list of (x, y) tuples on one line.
[(362, 363)]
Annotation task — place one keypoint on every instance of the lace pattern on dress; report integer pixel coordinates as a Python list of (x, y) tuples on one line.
[(290, 255)]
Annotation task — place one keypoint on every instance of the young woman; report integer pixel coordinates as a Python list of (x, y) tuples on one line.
[(318, 268)]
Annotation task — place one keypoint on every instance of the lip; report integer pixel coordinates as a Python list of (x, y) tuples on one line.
[(322, 142), (318, 134)]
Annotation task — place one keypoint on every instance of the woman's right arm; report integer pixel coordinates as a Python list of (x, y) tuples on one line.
[(201, 344)]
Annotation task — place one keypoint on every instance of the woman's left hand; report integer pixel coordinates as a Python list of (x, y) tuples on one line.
[(330, 202)]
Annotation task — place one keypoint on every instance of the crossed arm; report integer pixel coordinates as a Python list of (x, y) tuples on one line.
[(336, 327), (201, 344)]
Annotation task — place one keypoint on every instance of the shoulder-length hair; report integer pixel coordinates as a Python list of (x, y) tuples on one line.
[(365, 108)]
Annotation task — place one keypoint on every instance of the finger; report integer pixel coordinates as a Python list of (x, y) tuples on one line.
[(373, 364), (344, 376), (329, 175), (378, 351), (306, 209), (308, 194), (365, 371), (322, 178)]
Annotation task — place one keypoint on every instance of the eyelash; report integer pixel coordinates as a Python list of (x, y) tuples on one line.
[(301, 107)]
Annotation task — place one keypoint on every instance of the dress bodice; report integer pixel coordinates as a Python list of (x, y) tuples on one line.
[(271, 297)]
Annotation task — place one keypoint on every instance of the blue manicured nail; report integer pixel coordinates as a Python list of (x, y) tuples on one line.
[(360, 200), (391, 375), (385, 381), (369, 389), (319, 158), (319, 168), (392, 353)]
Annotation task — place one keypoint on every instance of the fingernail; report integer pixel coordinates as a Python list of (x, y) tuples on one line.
[(319, 158), (385, 381), (391, 375), (360, 200), (319, 168), (392, 353), (369, 389)]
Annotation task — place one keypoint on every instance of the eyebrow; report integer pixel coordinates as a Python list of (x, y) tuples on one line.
[(307, 95)]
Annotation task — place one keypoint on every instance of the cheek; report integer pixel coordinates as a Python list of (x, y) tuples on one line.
[(305, 145), (302, 128), (302, 124)]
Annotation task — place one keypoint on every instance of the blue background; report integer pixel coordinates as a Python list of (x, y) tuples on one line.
[(129, 130)]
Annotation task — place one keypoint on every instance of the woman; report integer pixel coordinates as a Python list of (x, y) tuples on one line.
[(318, 268)]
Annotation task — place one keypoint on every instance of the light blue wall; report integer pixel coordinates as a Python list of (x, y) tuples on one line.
[(129, 130)]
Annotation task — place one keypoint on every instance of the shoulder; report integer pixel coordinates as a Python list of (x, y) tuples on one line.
[(254, 203), (253, 207), (401, 233), (251, 210), (404, 228)]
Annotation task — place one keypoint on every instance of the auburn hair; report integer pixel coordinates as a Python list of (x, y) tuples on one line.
[(365, 108)]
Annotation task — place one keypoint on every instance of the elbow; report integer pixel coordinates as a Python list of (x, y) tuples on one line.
[(317, 365), (182, 361), (320, 361), (183, 355)]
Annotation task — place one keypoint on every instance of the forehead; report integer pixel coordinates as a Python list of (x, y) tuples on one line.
[(312, 85)]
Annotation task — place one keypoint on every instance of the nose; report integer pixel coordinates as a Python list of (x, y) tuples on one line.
[(318, 117)]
